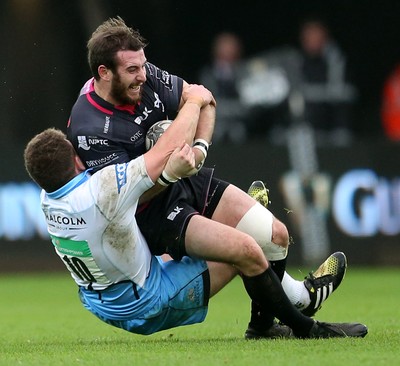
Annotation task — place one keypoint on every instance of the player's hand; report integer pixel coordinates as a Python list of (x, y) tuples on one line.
[(198, 94), (181, 163)]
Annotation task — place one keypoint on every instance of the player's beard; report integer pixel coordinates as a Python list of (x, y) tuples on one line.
[(119, 92)]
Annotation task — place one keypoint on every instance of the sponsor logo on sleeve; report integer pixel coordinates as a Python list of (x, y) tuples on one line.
[(120, 171), (106, 125)]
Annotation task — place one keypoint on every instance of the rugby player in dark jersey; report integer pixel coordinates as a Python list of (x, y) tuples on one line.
[(191, 216)]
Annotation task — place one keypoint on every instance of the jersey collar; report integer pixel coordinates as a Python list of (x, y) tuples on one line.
[(71, 185), (128, 108)]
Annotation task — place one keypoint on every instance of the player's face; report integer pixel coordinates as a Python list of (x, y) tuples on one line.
[(126, 84)]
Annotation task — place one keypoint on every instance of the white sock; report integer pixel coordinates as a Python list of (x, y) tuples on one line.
[(296, 291)]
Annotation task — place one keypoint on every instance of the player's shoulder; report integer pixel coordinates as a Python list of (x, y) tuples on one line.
[(89, 102), (156, 75), (84, 117), (87, 87), (89, 112), (103, 178)]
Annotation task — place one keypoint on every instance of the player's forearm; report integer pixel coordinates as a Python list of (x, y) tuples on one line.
[(182, 129), (205, 126), (185, 124), (205, 129)]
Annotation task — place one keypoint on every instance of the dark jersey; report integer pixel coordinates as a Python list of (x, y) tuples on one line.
[(104, 134)]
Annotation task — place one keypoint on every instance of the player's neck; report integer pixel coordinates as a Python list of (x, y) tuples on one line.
[(104, 92)]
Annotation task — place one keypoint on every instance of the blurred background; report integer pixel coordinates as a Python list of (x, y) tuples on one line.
[(308, 101)]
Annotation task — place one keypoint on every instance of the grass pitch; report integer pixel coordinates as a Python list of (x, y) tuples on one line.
[(43, 323)]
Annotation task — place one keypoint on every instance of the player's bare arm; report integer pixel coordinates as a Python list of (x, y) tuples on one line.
[(205, 126), (185, 124), (183, 129)]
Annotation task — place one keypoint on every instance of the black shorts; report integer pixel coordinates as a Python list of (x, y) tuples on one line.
[(163, 221)]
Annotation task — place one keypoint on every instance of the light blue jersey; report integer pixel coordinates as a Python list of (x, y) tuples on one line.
[(91, 221)]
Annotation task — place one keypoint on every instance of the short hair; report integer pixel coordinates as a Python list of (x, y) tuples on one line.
[(110, 37), (49, 159)]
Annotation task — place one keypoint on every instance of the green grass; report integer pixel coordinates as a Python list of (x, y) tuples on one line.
[(43, 323)]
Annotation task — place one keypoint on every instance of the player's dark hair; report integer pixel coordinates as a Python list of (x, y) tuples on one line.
[(110, 37), (49, 159)]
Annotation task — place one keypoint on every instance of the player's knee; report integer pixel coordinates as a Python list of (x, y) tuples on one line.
[(280, 234), (261, 224), (252, 260), (270, 234)]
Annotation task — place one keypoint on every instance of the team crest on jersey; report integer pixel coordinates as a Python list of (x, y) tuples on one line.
[(82, 143), (120, 172), (158, 103)]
